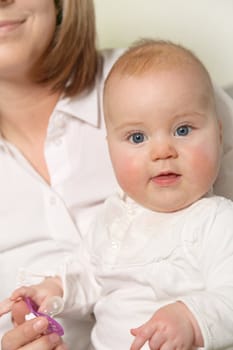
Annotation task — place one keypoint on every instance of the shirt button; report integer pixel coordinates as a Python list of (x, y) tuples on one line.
[(115, 245)]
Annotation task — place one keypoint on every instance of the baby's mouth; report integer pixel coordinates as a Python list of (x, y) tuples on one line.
[(166, 178)]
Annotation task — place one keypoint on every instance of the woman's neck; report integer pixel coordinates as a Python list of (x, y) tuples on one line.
[(25, 110), (24, 115)]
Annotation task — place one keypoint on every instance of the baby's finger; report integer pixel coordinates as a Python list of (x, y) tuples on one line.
[(142, 335), (138, 343), (6, 306), (19, 310), (23, 292), (158, 341)]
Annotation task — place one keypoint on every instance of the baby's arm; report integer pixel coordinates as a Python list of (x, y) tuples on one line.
[(172, 326)]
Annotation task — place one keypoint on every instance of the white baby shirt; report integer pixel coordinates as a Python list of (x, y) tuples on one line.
[(138, 260)]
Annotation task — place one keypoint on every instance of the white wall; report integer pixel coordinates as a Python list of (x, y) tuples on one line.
[(205, 26)]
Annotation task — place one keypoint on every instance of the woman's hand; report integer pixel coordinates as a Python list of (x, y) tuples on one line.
[(28, 335)]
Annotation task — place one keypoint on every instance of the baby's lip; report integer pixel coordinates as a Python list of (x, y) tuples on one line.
[(166, 173), (166, 178)]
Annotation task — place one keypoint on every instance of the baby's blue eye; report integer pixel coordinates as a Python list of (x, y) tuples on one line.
[(183, 130), (137, 137)]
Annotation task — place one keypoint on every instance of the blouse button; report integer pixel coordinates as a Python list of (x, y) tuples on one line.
[(60, 123)]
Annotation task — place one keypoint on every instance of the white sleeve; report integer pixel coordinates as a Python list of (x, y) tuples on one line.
[(80, 286), (213, 306)]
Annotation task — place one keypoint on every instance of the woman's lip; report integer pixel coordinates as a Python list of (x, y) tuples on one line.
[(165, 179), (8, 25), (9, 22)]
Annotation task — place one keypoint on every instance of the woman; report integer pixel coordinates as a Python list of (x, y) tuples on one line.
[(55, 169), (52, 146)]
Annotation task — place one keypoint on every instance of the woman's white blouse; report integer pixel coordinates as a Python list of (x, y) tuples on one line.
[(40, 225)]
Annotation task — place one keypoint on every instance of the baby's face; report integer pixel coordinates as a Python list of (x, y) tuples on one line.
[(164, 137)]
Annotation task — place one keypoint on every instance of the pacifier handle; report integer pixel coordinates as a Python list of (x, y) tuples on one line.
[(54, 326)]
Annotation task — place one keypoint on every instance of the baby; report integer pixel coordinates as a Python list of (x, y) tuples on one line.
[(159, 256)]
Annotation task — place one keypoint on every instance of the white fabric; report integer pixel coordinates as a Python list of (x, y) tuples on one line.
[(40, 225), (141, 260)]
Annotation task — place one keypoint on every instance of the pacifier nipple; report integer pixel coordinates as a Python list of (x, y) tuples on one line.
[(54, 306)]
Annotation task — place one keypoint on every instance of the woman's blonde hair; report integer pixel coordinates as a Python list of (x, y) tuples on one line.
[(71, 61)]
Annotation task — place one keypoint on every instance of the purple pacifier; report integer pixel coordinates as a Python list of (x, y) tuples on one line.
[(54, 306)]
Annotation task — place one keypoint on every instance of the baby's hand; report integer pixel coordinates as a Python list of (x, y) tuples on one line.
[(169, 328), (40, 293)]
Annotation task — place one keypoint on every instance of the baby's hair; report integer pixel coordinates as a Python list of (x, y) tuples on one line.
[(150, 55)]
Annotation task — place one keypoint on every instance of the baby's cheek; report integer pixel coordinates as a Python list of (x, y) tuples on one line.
[(128, 172), (204, 160)]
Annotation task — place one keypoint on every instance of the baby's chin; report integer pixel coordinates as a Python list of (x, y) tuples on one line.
[(171, 205)]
